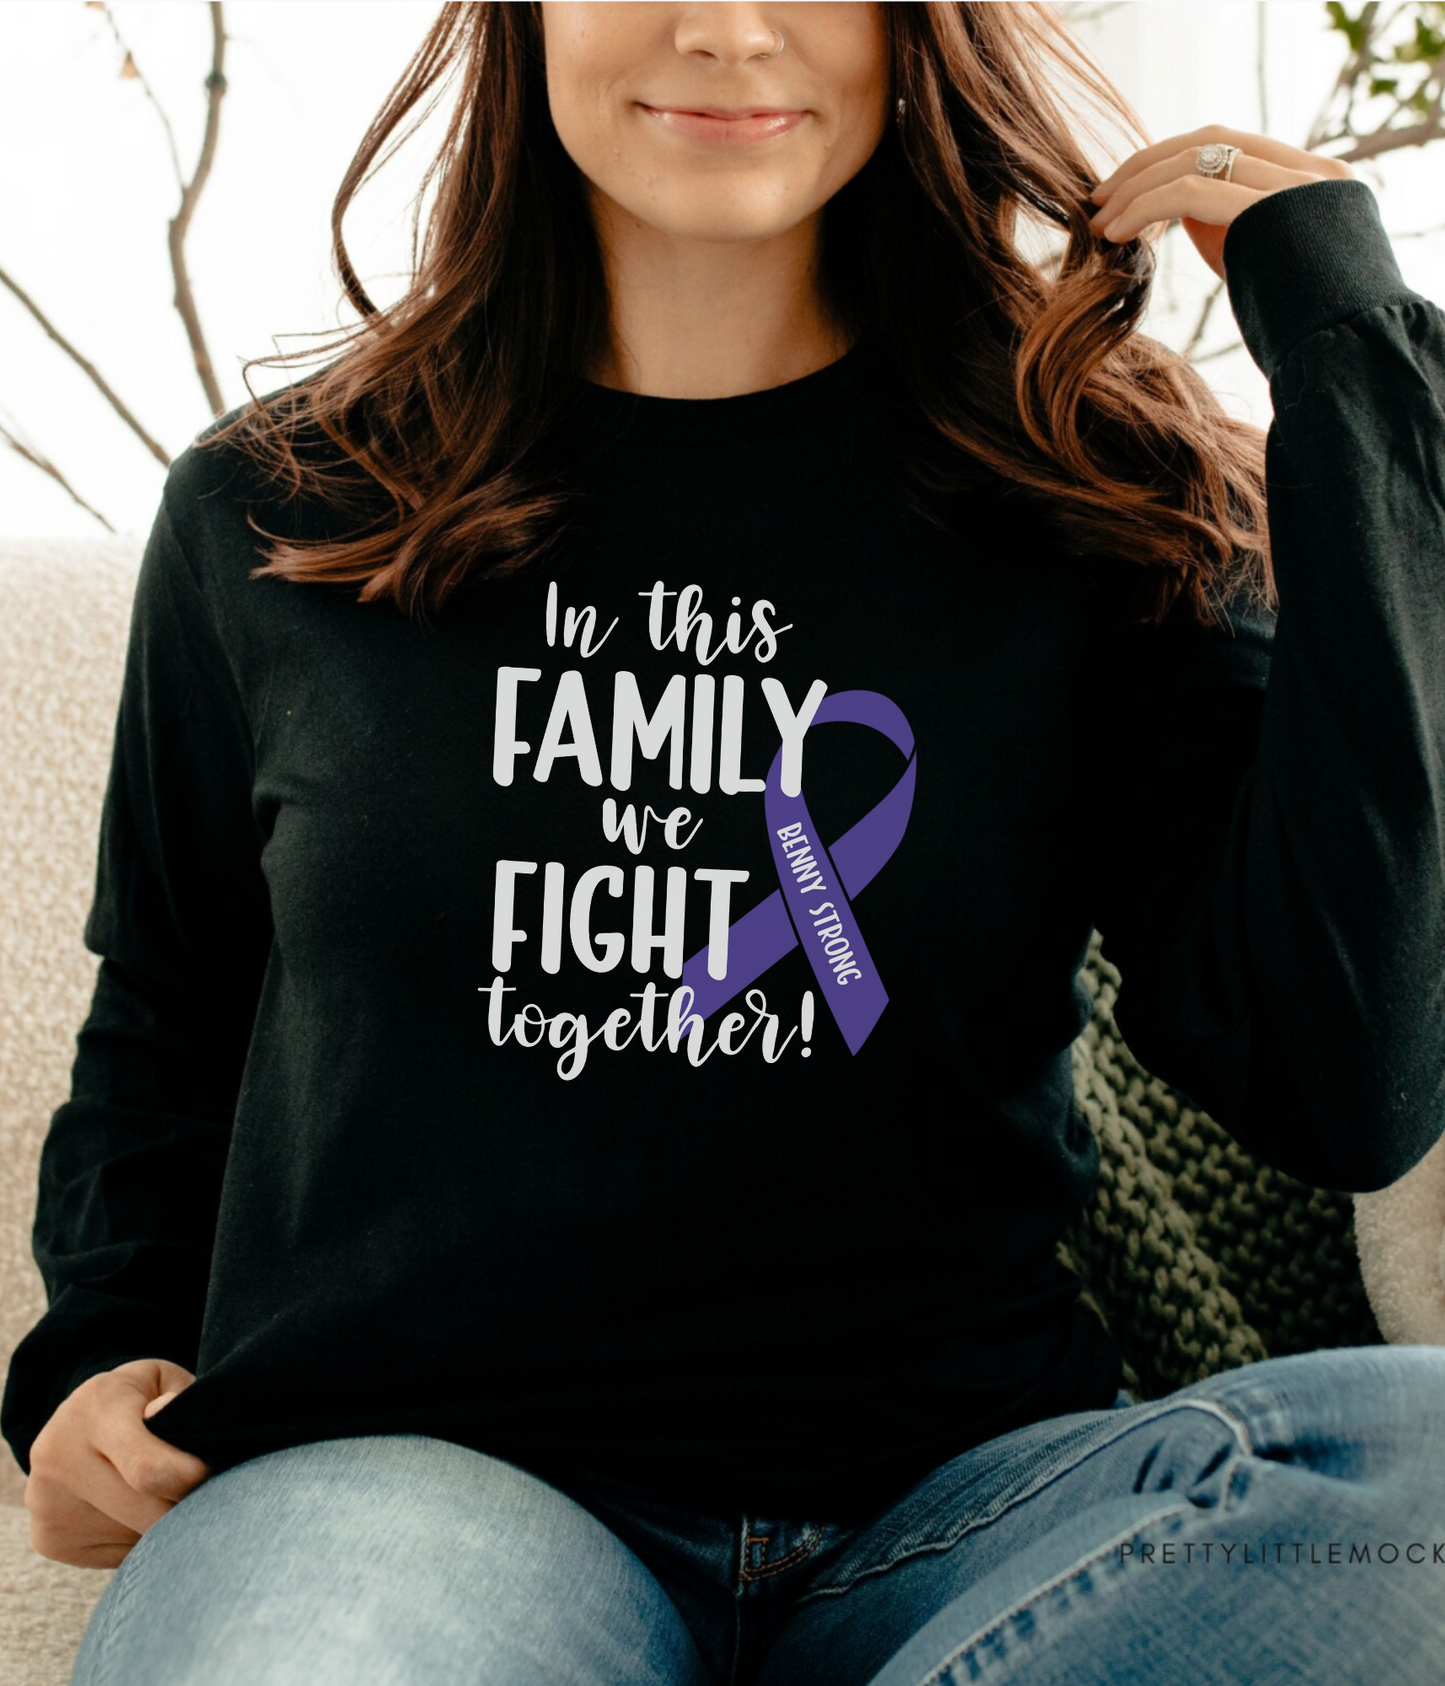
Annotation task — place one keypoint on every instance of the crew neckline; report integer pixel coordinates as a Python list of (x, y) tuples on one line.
[(648, 418)]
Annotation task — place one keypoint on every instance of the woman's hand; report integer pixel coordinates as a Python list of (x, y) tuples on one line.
[(1159, 183), (98, 1476)]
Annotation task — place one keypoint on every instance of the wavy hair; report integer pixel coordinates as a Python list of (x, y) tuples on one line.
[(442, 410)]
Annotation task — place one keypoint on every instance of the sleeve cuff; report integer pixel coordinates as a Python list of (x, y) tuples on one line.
[(1306, 258)]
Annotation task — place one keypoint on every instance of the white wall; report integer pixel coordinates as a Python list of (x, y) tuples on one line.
[(86, 191)]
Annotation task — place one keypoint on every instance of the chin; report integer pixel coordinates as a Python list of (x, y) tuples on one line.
[(717, 206)]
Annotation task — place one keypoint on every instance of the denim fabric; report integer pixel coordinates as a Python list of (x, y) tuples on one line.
[(1282, 1522)]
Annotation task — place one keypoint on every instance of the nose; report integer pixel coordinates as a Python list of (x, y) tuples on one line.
[(732, 34)]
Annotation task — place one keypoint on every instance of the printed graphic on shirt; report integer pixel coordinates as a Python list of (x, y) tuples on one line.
[(811, 904)]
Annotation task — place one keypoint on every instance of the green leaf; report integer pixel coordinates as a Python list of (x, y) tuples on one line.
[(1353, 29)]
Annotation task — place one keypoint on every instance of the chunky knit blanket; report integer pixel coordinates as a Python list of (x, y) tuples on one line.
[(1197, 1256)]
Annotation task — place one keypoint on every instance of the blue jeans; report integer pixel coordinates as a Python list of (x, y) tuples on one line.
[(1282, 1522)]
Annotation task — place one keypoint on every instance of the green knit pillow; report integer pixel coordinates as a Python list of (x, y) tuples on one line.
[(1198, 1257)]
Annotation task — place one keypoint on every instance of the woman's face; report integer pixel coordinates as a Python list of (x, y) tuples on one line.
[(627, 83)]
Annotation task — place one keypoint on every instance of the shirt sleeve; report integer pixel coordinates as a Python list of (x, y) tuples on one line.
[(132, 1163), (1273, 890)]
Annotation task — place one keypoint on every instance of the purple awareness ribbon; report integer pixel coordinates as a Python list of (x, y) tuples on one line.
[(826, 879)]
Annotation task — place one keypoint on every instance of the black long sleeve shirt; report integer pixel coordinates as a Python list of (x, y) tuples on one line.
[(624, 1025)]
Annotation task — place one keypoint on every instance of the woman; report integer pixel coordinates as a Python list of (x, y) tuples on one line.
[(565, 1162)]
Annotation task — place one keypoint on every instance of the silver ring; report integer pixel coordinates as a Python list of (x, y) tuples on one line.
[(776, 50), (1216, 159)]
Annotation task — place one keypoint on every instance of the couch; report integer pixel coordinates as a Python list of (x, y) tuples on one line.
[(1197, 1256)]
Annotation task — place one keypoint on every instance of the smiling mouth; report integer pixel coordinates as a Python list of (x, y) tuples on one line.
[(718, 124)]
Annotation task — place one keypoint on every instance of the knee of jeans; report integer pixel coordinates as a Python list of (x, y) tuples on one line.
[(1413, 1383), (365, 1458), (373, 1534), (372, 1490), (1418, 1370), (1372, 1384), (1341, 1406)]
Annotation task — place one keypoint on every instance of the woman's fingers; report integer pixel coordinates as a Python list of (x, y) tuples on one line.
[(115, 1464), (1264, 149), (1209, 201), (99, 1476), (68, 1528), (1249, 172), (151, 1467)]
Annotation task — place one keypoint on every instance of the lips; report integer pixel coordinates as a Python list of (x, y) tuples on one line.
[(723, 111), (723, 125)]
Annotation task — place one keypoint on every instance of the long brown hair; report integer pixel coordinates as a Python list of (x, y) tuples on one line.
[(440, 408)]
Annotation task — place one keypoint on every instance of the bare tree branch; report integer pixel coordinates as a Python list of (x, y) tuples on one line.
[(87, 368), (1261, 65), (37, 459), (1216, 292), (140, 76), (1395, 140), (1219, 351), (1378, 68), (185, 298), (1076, 13), (1357, 62)]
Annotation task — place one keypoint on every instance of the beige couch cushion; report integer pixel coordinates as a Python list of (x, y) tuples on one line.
[(44, 1607), (64, 615)]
